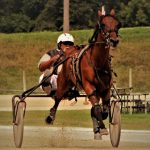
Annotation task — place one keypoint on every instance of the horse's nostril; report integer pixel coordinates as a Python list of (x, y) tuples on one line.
[(117, 41), (114, 42)]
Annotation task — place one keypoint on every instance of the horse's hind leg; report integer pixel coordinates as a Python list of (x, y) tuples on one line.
[(62, 88), (53, 110)]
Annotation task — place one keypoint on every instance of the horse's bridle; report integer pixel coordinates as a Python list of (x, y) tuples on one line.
[(106, 35)]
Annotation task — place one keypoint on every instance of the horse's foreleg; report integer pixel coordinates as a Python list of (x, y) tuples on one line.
[(97, 135), (95, 122), (96, 109), (96, 112), (96, 115), (106, 103), (98, 125)]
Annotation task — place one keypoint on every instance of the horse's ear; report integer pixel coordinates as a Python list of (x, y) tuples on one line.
[(112, 12), (99, 13)]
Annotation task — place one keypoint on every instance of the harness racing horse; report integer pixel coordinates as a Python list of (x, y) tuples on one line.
[(95, 71)]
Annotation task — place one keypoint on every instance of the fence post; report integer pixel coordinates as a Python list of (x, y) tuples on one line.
[(145, 103), (24, 81), (130, 79), (131, 99)]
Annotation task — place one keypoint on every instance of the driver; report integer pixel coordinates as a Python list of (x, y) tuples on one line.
[(51, 59)]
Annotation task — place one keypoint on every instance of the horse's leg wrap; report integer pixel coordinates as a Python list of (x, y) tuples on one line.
[(51, 117), (95, 122), (96, 113), (106, 105)]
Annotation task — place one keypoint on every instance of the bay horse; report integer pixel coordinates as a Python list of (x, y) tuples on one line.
[(95, 71)]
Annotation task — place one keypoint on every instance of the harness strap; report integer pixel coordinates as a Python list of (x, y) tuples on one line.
[(92, 40), (78, 61), (76, 64)]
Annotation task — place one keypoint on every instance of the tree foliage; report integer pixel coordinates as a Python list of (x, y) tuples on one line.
[(40, 15), (135, 13)]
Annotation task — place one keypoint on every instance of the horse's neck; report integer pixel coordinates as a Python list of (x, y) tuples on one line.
[(100, 54)]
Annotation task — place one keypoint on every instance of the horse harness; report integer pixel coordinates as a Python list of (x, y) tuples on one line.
[(75, 65), (77, 58)]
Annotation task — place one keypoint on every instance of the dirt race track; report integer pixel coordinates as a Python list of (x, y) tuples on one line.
[(52, 138), (71, 138)]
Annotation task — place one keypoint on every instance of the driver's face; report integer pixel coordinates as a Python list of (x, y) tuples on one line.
[(66, 45)]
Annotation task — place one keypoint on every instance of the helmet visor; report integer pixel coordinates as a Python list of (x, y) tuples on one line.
[(68, 43)]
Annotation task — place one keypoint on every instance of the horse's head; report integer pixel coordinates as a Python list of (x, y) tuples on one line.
[(109, 27)]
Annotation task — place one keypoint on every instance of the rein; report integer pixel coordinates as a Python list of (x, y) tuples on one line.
[(31, 90), (95, 34)]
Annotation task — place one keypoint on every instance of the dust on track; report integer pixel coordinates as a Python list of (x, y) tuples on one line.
[(71, 138)]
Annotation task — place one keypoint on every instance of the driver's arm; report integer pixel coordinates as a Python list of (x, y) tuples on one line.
[(47, 63)]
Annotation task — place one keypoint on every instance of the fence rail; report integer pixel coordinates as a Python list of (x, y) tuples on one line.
[(130, 102), (135, 102)]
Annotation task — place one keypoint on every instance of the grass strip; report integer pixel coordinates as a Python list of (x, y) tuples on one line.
[(76, 118)]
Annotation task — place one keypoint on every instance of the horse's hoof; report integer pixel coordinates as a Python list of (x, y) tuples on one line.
[(97, 136), (49, 120), (104, 132)]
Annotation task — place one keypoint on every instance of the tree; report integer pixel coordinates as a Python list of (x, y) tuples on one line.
[(135, 13), (8, 7), (51, 17), (141, 18), (15, 23), (33, 8), (83, 14), (40, 15)]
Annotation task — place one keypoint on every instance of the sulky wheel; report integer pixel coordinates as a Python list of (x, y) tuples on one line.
[(115, 123), (18, 125)]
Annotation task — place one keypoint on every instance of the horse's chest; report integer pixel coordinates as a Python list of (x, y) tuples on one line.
[(103, 78)]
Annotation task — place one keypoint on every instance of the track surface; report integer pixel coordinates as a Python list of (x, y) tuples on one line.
[(71, 138), (50, 138)]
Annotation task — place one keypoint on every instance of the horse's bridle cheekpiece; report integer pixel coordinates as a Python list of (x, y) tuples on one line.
[(100, 29)]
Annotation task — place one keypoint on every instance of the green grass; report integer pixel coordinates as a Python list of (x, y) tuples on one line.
[(76, 118), (22, 51)]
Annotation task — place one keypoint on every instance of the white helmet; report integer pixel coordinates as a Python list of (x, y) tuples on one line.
[(65, 37)]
